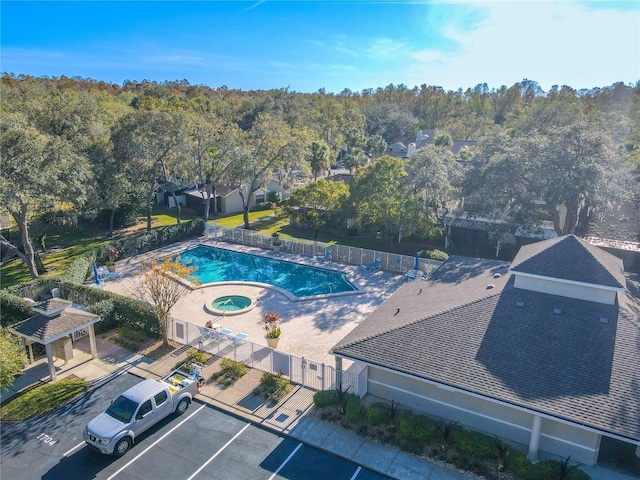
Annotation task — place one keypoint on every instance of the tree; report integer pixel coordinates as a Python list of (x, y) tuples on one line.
[(149, 141), (379, 197), (318, 155), (37, 172), (317, 204), (12, 359), (271, 145), (211, 146), (435, 175), (159, 287)]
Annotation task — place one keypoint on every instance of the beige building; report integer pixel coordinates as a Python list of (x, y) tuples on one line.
[(542, 352)]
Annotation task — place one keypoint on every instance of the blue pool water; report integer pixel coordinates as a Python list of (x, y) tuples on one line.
[(219, 265)]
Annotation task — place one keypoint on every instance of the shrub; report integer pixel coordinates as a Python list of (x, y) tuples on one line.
[(435, 254), (353, 408), (79, 269), (325, 398), (105, 310), (378, 413), (518, 464), (13, 309), (473, 443), (132, 334), (272, 386), (229, 372), (415, 431)]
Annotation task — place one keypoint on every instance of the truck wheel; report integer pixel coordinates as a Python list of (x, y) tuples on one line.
[(182, 406), (122, 447)]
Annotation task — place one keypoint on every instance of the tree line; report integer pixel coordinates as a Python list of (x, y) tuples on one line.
[(76, 147)]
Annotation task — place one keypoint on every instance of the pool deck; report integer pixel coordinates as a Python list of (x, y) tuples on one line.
[(309, 327)]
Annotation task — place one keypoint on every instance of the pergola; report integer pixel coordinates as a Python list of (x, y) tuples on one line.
[(55, 319)]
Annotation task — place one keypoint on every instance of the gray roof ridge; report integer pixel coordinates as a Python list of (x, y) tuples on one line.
[(421, 319)]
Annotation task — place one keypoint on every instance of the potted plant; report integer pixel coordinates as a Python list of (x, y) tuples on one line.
[(276, 243), (272, 327), (112, 253)]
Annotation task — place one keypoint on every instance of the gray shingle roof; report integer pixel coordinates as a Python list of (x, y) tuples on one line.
[(569, 258), (45, 329), (458, 332)]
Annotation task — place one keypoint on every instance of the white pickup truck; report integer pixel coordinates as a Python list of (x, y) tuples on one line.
[(139, 408)]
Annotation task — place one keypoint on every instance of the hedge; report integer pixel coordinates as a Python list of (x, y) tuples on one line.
[(113, 309), (438, 255), (12, 309), (144, 242)]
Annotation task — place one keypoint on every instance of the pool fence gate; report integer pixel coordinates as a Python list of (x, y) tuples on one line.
[(298, 369)]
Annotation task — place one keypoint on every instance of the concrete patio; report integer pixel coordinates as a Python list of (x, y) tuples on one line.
[(309, 327)]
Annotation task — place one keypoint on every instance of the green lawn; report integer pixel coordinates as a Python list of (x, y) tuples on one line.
[(42, 399), (66, 243)]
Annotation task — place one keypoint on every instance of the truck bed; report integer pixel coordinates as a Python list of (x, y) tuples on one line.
[(177, 381)]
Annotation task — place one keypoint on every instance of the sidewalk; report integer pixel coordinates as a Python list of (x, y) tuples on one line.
[(288, 417)]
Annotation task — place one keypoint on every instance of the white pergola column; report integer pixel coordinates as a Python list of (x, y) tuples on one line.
[(92, 341), (534, 441), (52, 366)]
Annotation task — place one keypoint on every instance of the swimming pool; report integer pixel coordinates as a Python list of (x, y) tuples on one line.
[(220, 265)]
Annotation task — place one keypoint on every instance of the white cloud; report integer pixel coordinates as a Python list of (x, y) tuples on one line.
[(549, 42)]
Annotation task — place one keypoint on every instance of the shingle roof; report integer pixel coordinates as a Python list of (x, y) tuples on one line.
[(454, 330), (45, 329), (569, 258)]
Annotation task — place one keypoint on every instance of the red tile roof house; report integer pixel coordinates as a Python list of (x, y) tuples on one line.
[(544, 352)]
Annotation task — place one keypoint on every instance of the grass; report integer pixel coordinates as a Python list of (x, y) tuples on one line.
[(42, 399), (74, 241)]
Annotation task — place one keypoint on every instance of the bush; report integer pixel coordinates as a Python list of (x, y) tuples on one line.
[(272, 386), (325, 398), (230, 371), (438, 255), (13, 309), (105, 310), (353, 407), (132, 334), (79, 269), (473, 443), (415, 431), (378, 413)]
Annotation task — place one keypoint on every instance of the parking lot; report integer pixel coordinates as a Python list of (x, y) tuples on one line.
[(204, 443)]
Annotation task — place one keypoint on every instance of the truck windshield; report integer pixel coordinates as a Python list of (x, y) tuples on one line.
[(122, 409)]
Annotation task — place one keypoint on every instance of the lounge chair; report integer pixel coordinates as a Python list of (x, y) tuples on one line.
[(326, 257), (372, 266), (223, 332), (413, 274), (209, 333), (107, 274), (239, 337)]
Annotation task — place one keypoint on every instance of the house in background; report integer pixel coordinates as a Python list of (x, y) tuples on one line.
[(228, 199), (542, 352)]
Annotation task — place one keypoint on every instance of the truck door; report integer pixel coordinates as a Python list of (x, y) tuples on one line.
[(145, 417), (163, 405)]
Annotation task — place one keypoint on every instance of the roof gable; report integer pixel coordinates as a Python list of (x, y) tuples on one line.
[(572, 259)]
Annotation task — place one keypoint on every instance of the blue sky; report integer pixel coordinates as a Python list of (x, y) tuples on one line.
[(309, 45)]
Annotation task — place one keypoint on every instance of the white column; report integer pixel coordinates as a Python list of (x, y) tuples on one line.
[(92, 341), (339, 373), (534, 441), (52, 366)]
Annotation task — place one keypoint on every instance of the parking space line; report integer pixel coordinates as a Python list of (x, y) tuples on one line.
[(219, 452), (285, 462), (155, 443), (357, 472), (68, 452)]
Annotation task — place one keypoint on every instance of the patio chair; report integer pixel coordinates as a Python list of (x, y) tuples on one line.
[(222, 333), (326, 257), (372, 266), (209, 333), (104, 273), (239, 337)]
